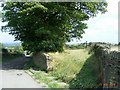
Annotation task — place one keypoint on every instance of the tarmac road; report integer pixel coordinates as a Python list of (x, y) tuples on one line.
[(13, 76)]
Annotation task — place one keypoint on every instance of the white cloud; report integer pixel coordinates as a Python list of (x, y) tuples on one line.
[(104, 27)]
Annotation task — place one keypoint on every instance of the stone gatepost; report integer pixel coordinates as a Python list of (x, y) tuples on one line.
[(41, 60)]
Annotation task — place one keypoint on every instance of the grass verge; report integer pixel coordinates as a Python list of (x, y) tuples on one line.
[(43, 78)]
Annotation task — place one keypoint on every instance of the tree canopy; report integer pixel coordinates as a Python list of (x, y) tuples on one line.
[(46, 26)]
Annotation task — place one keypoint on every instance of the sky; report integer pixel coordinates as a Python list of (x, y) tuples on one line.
[(102, 28)]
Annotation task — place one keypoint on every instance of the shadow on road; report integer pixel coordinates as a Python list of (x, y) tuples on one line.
[(16, 64)]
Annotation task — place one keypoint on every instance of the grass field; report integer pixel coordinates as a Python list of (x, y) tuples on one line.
[(67, 64), (73, 67)]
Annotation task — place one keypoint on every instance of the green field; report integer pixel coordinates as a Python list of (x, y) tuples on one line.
[(74, 67), (67, 64)]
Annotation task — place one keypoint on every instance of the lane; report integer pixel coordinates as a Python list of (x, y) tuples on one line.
[(17, 79), (13, 75), (15, 64)]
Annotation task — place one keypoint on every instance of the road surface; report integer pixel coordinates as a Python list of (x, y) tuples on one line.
[(13, 76)]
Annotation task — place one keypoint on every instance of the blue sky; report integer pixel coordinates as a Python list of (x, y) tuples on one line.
[(102, 28)]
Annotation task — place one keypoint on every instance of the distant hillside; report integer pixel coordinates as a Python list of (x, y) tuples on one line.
[(12, 44)]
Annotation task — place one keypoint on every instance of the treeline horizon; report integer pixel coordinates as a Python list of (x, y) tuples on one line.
[(68, 43)]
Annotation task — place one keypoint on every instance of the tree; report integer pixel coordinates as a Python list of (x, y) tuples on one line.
[(46, 26), (1, 46), (119, 43)]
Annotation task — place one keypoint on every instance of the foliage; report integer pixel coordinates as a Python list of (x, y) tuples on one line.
[(8, 57), (0, 15), (119, 43), (46, 26), (1, 45), (79, 46), (18, 49), (11, 53), (4, 51), (15, 49), (96, 50)]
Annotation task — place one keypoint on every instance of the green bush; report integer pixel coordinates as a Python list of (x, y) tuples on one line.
[(79, 46), (4, 51)]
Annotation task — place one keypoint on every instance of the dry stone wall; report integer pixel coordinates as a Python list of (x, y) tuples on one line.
[(109, 62)]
